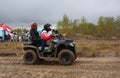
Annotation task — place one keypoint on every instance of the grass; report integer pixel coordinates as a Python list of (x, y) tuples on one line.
[(11, 47), (91, 49), (17, 47), (95, 48), (97, 45)]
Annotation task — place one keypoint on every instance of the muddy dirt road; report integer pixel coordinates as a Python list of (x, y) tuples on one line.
[(13, 67)]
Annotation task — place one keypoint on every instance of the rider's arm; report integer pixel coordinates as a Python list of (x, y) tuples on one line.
[(46, 37)]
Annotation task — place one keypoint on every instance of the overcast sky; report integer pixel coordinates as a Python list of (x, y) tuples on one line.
[(22, 12)]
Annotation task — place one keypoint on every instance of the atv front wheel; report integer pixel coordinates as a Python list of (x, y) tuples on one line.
[(66, 57), (30, 57)]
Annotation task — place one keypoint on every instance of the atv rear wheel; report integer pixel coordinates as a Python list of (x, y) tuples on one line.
[(30, 57), (66, 57)]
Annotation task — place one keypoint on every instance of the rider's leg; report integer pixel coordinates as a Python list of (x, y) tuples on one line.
[(50, 46), (43, 43)]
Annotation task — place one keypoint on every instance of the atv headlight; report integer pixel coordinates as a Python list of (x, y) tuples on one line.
[(71, 44)]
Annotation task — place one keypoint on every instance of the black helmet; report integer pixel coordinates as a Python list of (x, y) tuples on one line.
[(47, 27)]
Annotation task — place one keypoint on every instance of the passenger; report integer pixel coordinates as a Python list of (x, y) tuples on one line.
[(34, 35)]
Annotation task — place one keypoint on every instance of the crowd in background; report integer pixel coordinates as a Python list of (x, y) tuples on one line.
[(13, 37)]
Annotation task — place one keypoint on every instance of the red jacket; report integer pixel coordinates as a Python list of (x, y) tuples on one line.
[(47, 35)]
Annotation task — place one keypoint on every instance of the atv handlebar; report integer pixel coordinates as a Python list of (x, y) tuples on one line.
[(57, 34), (56, 31)]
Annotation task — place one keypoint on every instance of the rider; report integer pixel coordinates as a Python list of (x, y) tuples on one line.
[(34, 35), (46, 36)]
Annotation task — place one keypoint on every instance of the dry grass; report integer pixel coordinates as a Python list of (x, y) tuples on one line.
[(98, 48), (85, 48), (11, 47), (97, 45), (91, 47)]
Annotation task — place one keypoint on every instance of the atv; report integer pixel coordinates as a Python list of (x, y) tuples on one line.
[(63, 51)]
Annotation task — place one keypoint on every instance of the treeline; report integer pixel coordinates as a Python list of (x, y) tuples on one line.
[(106, 26), (19, 31)]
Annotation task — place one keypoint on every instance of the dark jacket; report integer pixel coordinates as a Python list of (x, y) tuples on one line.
[(35, 38)]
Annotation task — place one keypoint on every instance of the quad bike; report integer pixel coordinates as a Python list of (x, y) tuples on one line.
[(63, 51)]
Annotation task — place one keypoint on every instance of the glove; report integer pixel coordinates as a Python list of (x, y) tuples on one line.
[(54, 30)]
